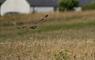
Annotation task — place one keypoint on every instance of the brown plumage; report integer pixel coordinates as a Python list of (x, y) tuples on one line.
[(35, 24)]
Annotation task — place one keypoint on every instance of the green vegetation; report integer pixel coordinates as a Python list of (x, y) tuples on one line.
[(11, 31), (62, 55), (68, 4), (90, 6)]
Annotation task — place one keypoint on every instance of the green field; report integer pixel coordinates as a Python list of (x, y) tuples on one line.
[(64, 36)]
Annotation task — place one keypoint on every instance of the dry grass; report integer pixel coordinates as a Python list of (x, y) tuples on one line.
[(48, 50), (65, 36)]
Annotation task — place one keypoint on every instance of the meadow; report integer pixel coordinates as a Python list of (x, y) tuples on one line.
[(64, 36)]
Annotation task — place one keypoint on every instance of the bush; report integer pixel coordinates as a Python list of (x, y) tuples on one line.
[(90, 6), (62, 55), (68, 4)]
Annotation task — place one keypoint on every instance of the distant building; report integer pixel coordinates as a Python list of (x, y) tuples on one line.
[(85, 2), (28, 6), (35, 5), (43, 5), (17, 6)]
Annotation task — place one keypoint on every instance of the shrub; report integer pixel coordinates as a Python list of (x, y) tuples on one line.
[(90, 6), (68, 4), (62, 55)]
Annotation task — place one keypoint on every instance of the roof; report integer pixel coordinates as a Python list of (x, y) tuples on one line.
[(40, 2), (51, 2), (84, 2), (43, 2)]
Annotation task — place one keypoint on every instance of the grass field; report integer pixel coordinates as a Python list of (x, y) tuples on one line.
[(65, 36)]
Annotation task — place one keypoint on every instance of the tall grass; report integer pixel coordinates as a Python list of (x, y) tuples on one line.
[(65, 36)]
